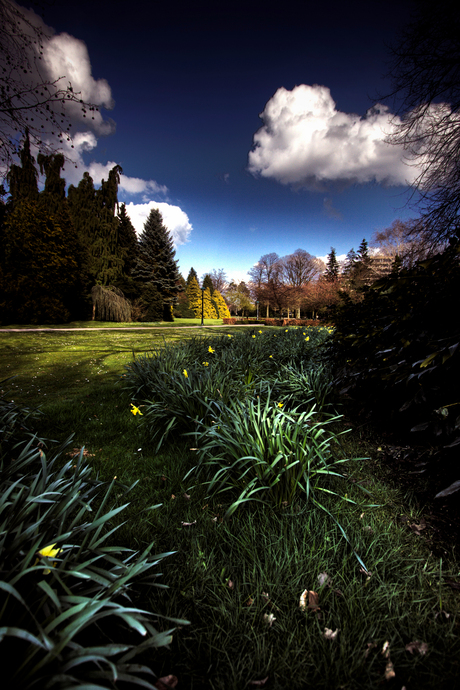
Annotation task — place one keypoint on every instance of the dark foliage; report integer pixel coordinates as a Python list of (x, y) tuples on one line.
[(397, 351)]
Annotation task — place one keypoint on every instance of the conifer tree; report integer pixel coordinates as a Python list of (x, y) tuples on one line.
[(209, 308), (220, 305), (194, 296), (182, 309), (155, 263), (192, 274), (39, 272), (332, 267), (127, 239), (22, 179), (93, 214), (207, 283)]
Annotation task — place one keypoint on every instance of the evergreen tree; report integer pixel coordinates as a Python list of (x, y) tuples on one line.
[(53, 201), (93, 214), (192, 274), (107, 254), (194, 296), (209, 308), (39, 272), (220, 305), (127, 239), (332, 267), (53, 196), (155, 262), (22, 179), (207, 283), (182, 309)]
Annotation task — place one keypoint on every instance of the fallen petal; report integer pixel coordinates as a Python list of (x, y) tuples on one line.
[(389, 670), (417, 646), (303, 600), (329, 634), (269, 619), (258, 682), (166, 683), (323, 579), (188, 524)]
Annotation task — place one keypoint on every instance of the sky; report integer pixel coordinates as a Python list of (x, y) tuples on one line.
[(252, 129)]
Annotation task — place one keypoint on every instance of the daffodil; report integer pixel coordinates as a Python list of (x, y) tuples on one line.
[(307, 338), (271, 357), (228, 335), (135, 410), (206, 364), (253, 336), (260, 331), (48, 552), (185, 373), (210, 349), (280, 404)]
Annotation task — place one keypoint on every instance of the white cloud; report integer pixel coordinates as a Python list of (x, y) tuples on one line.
[(174, 218), (306, 141), (129, 185)]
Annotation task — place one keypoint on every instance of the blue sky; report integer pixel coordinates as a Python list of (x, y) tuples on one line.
[(187, 84)]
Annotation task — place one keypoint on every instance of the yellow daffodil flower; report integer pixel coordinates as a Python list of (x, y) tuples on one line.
[(280, 404), (135, 410), (48, 552), (185, 373), (271, 357), (260, 331), (253, 336), (210, 349), (206, 364), (228, 335), (307, 339)]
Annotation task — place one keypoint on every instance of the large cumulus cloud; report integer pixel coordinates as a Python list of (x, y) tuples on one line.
[(305, 141)]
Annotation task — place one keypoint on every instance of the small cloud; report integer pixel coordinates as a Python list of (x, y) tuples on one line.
[(330, 211), (174, 218)]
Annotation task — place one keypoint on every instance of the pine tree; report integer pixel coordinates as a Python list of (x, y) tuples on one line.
[(192, 274), (207, 283), (220, 305), (155, 262), (332, 267), (127, 239)]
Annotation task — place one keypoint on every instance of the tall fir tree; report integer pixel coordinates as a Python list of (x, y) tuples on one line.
[(332, 267), (155, 263), (192, 274), (127, 239), (207, 283), (93, 214)]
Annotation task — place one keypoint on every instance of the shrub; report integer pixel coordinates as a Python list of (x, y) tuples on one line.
[(401, 363)]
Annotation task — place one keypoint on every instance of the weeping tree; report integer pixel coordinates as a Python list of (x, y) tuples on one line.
[(109, 304)]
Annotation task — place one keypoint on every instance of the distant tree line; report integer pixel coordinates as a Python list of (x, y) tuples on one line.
[(78, 256)]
